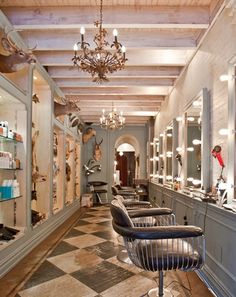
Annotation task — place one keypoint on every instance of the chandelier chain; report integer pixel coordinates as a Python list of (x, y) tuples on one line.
[(99, 61)]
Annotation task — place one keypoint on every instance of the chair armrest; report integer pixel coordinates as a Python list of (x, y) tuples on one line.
[(149, 212), (161, 232)]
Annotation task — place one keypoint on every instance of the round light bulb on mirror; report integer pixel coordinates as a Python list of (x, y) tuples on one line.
[(161, 156), (190, 149), (161, 135), (190, 119), (178, 179), (179, 149), (223, 131), (190, 179), (169, 128), (151, 159), (224, 77), (196, 182), (156, 158), (179, 119), (168, 177), (169, 134), (160, 176), (196, 142), (197, 103)]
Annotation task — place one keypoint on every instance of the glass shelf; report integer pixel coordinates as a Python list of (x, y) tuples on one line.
[(13, 169), (6, 139), (10, 198)]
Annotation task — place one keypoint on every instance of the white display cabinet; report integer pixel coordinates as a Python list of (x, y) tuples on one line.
[(58, 169), (41, 150), (13, 123)]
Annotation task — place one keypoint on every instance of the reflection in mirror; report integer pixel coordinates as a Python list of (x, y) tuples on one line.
[(156, 157), (193, 143), (169, 153), (161, 159)]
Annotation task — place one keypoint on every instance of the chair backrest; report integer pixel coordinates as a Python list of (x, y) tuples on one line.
[(114, 190), (120, 198), (119, 214)]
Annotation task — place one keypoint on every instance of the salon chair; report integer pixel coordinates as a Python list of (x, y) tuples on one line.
[(98, 188), (159, 248), (140, 217), (127, 194)]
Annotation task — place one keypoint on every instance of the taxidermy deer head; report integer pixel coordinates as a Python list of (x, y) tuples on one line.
[(89, 133), (97, 150), (62, 109), (16, 58)]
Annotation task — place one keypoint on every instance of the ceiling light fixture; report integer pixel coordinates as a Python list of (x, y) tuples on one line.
[(99, 61), (113, 120)]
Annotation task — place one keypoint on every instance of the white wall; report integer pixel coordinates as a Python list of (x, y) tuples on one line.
[(203, 72)]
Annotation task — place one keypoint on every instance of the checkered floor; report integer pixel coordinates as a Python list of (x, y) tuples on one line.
[(84, 264)]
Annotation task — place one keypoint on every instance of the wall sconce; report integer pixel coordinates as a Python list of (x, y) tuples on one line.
[(179, 149), (151, 143), (226, 77), (190, 149), (161, 176), (178, 179), (151, 159), (161, 135), (156, 158), (169, 128), (197, 103), (169, 134), (169, 177), (161, 156), (121, 153)]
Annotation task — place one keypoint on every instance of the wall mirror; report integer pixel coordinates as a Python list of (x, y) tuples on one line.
[(197, 142), (168, 148), (161, 164), (156, 158)]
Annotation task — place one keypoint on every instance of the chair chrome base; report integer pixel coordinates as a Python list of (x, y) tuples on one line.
[(155, 293), (123, 257)]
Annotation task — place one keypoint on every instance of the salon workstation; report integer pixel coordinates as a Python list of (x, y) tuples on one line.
[(117, 148)]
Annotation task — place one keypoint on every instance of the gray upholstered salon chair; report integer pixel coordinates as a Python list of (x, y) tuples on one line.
[(127, 194), (133, 203), (142, 214), (159, 248)]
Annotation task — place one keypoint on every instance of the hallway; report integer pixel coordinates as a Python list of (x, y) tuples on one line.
[(84, 264)]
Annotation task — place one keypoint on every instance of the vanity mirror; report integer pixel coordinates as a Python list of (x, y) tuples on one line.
[(161, 159), (168, 153), (197, 142)]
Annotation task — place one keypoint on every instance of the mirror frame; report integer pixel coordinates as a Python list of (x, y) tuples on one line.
[(205, 140)]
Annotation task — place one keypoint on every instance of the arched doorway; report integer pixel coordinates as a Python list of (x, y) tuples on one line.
[(126, 165)]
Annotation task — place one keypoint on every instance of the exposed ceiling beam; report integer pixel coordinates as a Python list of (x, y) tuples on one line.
[(100, 90), (150, 38), (129, 71), (142, 58), (81, 82), (112, 15), (111, 97)]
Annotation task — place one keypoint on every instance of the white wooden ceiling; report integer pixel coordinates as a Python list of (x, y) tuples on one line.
[(160, 36)]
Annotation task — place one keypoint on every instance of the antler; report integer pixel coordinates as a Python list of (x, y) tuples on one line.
[(11, 43)]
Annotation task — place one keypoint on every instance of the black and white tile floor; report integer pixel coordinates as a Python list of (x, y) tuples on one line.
[(84, 264)]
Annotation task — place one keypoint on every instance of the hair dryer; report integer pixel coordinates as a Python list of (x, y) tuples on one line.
[(216, 153)]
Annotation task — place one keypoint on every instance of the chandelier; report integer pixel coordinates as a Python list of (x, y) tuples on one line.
[(113, 120), (99, 61)]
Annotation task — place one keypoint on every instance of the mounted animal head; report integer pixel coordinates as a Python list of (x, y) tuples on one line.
[(97, 150), (62, 109), (16, 58), (89, 133), (35, 98), (75, 121)]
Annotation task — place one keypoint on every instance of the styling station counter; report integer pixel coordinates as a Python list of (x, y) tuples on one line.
[(219, 226)]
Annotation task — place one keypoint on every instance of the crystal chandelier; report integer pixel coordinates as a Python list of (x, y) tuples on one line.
[(113, 120), (99, 61)]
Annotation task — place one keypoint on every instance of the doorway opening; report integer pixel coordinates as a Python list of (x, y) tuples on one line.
[(125, 158)]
